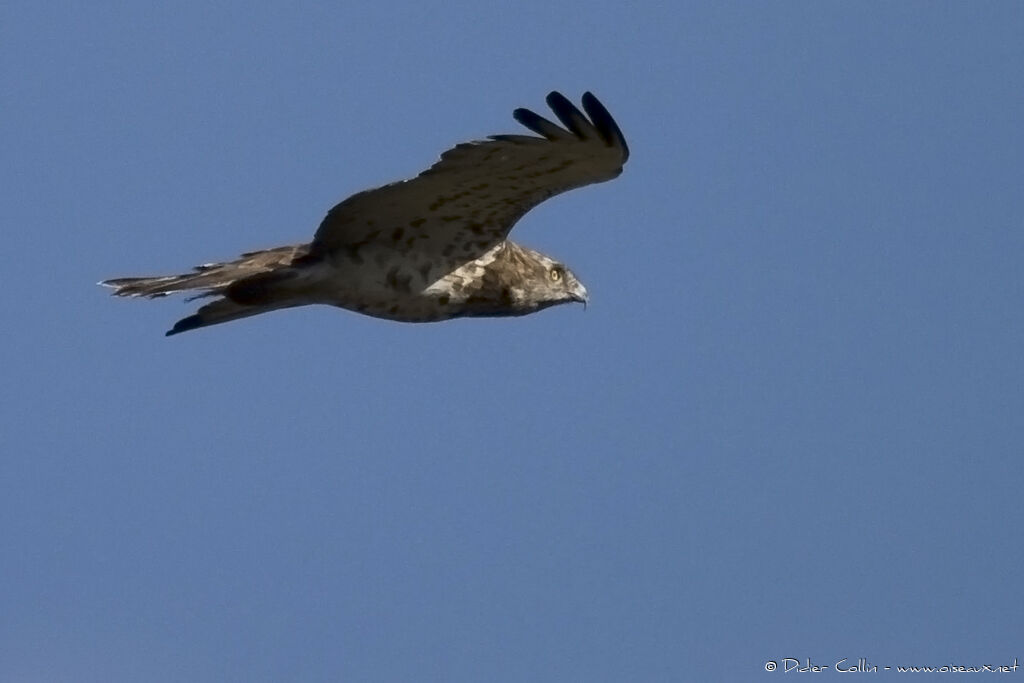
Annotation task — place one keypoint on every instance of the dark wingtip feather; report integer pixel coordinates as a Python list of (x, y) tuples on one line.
[(571, 117), (184, 325), (537, 123), (604, 123)]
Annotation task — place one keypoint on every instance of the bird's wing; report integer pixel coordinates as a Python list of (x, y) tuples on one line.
[(470, 199)]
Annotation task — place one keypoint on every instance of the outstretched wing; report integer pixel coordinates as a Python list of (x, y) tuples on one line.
[(470, 199)]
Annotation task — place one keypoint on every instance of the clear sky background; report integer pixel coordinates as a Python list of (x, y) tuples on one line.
[(789, 425)]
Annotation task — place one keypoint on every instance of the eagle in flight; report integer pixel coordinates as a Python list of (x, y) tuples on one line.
[(431, 248)]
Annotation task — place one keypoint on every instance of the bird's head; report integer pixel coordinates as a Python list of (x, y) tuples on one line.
[(538, 281)]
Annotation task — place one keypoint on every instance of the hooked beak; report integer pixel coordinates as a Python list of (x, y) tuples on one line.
[(579, 293)]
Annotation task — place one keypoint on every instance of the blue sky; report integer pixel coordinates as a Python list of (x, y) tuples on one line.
[(789, 424)]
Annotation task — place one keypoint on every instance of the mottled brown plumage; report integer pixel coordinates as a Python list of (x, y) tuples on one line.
[(431, 248)]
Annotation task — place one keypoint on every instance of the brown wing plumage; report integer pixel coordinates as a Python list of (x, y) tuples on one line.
[(472, 197)]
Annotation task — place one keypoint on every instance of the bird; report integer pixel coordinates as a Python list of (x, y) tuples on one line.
[(431, 248)]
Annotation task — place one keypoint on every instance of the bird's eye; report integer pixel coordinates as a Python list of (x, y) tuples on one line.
[(557, 274)]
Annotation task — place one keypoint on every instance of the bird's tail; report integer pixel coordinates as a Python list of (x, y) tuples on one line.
[(209, 278), (252, 284)]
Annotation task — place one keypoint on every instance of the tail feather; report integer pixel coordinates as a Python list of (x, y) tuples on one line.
[(253, 284), (212, 277), (154, 287)]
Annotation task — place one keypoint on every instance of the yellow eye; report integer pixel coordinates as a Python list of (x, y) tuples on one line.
[(556, 274)]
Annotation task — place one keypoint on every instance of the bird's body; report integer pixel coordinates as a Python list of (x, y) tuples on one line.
[(427, 249)]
